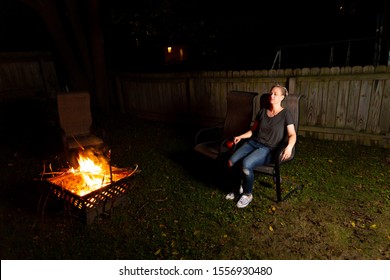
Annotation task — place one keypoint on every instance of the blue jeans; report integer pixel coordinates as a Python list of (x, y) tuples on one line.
[(252, 154)]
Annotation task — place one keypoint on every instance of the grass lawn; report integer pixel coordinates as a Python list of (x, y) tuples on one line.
[(176, 207)]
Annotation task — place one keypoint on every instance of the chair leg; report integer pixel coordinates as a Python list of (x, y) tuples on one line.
[(278, 190), (278, 184)]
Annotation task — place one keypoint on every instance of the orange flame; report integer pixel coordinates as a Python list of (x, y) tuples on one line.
[(94, 174)]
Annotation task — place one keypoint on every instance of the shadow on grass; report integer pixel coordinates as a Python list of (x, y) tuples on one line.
[(204, 170)]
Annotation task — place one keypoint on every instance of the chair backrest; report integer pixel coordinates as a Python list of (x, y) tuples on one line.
[(292, 103), (239, 112), (74, 113)]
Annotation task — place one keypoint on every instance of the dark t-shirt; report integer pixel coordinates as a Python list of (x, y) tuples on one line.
[(271, 131)]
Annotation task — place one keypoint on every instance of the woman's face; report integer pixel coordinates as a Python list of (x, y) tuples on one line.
[(276, 95)]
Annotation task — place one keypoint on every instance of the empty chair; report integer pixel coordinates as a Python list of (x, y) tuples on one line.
[(211, 141), (76, 122)]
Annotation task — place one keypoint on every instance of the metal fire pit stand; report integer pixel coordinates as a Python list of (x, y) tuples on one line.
[(95, 203), (92, 205)]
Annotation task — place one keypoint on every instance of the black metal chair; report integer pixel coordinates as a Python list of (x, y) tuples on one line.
[(211, 141), (291, 102)]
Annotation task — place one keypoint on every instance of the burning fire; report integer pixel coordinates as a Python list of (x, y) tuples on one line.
[(94, 172), (95, 175)]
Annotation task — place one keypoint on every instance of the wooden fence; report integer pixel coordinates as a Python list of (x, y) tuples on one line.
[(27, 74), (346, 104), (343, 104)]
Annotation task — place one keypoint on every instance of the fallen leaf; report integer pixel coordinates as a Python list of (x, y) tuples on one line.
[(271, 228)]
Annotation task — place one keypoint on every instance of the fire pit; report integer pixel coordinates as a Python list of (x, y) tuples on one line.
[(93, 188)]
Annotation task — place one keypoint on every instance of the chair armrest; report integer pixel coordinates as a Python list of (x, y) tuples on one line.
[(62, 134), (223, 146), (104, 133), (102, 130), (279, 152), (208, 134)]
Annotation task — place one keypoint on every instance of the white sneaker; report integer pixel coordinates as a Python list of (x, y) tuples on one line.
[(244, 200), (232, 195)]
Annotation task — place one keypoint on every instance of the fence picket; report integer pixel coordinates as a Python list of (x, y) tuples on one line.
[(348, 103)]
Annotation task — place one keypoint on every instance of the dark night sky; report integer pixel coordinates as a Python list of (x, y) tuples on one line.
[(244, 34)]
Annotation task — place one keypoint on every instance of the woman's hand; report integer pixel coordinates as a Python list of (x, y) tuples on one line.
[(286, 153), (236, 139), (246, 135)]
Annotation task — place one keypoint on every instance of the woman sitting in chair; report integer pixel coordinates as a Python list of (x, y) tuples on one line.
[(266, 133)]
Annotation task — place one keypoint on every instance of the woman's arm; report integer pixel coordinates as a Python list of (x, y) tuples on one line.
[(247, 134), (292, 138)]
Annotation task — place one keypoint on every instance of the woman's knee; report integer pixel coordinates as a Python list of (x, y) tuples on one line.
[(246, 171)]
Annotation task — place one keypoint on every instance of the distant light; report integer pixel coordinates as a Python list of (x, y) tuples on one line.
[(341, 10), (175, 54)]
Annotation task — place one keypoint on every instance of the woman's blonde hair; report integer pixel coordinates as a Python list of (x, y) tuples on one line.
[(284, 89)]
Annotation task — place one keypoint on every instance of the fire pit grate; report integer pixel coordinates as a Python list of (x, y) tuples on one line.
[(91, 204), (91, 199)]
